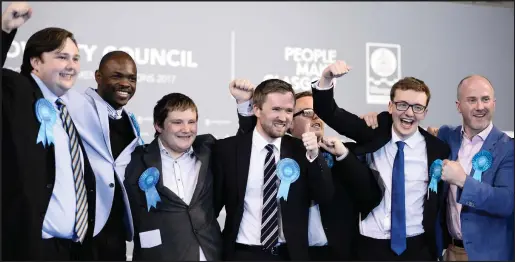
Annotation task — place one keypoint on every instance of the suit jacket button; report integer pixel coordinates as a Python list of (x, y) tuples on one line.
[(111, 185), (195, 231), (91, 219), (49, 186), (91, 190)]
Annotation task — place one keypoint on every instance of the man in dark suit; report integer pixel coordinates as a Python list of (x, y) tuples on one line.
[(402, 226), (48, 186), (267, 204), (182, 225), (333, 227)]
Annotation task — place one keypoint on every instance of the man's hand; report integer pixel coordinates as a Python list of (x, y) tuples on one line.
[(433, 131), (453, 173), (333, 145), (370, 119), (241, 89), (311, 143), (15, 15), (334, 70)]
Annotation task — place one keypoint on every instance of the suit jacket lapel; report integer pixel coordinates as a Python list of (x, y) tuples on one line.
[(430, 206), (101, 107), (243, 151), (489, 145), (152, 158), (203, 157)]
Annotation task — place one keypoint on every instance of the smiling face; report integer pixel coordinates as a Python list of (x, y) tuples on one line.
[(178, 131), (58, 69), (476, 104), (305, 115), (116, 79)]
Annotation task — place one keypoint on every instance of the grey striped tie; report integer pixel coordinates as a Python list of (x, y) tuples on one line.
[(81, 210), (269, 218)]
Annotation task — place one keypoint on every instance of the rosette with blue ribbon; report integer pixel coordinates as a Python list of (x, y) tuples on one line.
[(147, 182), (136, 126), (328, 159), (288, 172), (435, 171), (46, 115), (481, 162)]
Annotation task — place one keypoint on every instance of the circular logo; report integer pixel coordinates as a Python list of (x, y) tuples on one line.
[(288, 170), (148, 179), (383, 62)]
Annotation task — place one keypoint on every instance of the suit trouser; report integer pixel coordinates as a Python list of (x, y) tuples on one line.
[(370, 249), (321, 253), (59, 249), (109, 244), (454, 253), (255, 253)]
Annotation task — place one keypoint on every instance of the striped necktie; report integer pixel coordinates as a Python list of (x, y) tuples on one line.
[(269, 219), (81, 210)]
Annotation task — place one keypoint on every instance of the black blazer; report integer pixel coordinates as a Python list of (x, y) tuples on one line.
[(182, 227), (28, 169), (356, 190), (370, 140), (231, 167)]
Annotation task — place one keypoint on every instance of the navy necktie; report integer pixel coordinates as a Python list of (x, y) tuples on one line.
[(398, 231)]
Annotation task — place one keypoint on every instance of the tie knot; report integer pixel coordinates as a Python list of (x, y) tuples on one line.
[(400, 145), (270, 148), (59, 102)]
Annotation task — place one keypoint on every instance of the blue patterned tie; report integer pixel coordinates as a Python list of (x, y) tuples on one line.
[(398, 231), (81, 201), (269, 217)]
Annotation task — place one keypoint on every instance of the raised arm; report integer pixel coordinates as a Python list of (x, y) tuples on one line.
[(14, 16)]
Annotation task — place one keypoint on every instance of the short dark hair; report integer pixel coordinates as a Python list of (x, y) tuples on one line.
[(303, 94), (411, 83), (169, 103), (112, 54), (45, 40), (270, 86)]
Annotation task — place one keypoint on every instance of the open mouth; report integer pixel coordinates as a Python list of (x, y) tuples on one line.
[(407, 123), (479, 116), (316, 126), (123, 93), (279, 125), (66, 76)]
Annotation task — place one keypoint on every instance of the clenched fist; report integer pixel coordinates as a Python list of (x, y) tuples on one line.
[(241, 89), (15, 15), (453, 173), (334, 70), (333, 145), (310, 141)]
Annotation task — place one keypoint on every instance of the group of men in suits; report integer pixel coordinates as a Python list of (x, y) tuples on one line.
[(471, 211), (92, 183)]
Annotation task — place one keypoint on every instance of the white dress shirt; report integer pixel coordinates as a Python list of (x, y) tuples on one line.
[(378, 223), (250, 226), (180, 176), (59, 218)]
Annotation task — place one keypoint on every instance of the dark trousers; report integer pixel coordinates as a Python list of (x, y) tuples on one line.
[(256, 253), (370, 249), (59, 249), (109, 244), (321, 253)]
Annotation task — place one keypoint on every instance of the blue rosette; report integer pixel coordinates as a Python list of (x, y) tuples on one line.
[(288, 172), (147, 182), (481, 162), (46, 115), (328, 159), (136, 126), (435, 172)]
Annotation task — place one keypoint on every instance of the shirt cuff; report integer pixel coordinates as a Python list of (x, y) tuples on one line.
[(315, 84), (245, 108), (340, 158), (311, 160)]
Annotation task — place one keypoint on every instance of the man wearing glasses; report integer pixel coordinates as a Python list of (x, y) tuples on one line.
[(332, 226), (402, 226)]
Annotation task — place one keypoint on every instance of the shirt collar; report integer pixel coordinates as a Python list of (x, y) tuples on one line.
[(483, 134), (163, 150), (47, 94), (114, 113), (411, 141), (260, 142)]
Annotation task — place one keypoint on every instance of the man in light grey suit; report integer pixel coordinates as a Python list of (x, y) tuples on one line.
[(110, 134)]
